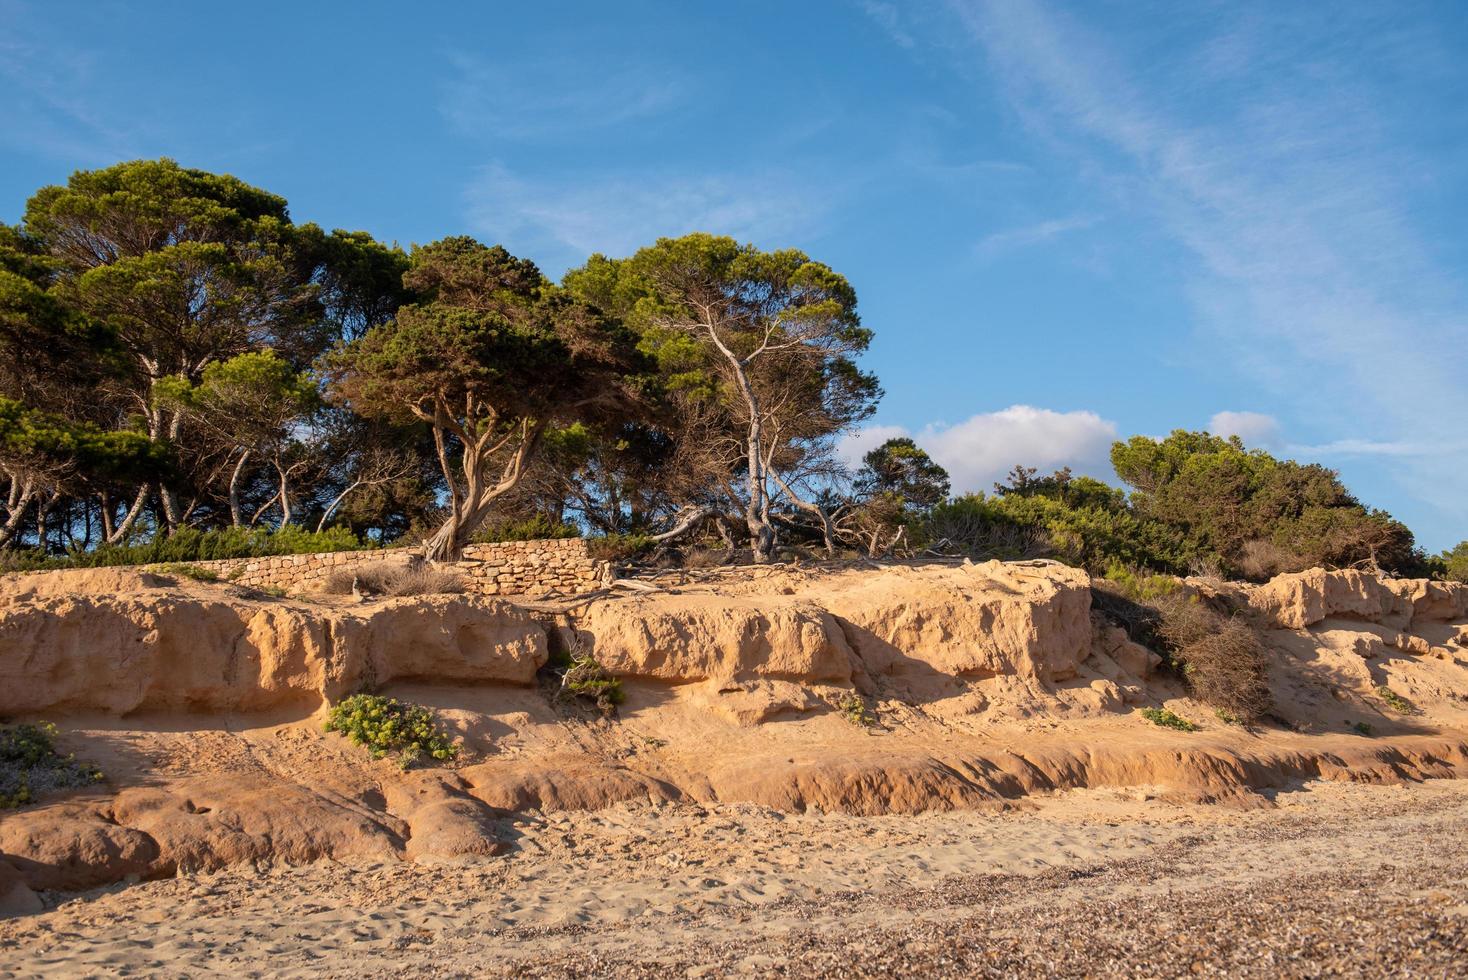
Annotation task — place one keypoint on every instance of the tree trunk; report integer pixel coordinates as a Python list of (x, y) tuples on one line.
[(236, 518), (131, 518)]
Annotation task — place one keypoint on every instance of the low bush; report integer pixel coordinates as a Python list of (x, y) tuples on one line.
[(387, 725), (587, 679), (1168, 719), (854, 709), (1395, 701), (1220, 657), (619, 547), (191, 545), (30, 765), (537, 528), (396, 580), (190, 571)]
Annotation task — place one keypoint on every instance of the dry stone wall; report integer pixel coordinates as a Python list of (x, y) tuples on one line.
[(499, 568)]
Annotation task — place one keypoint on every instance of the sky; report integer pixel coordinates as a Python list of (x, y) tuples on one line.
[(1067, 223)]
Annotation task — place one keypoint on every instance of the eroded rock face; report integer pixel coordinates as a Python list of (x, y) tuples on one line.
[(997, 618), (1302, 599), (162, 651), (682, 638)]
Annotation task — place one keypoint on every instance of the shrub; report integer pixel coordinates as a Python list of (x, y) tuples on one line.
[(619, 547), (1261, 560), (587, 679), (854, 710), (1221, 657), (30, 765), (190, 571), (396, 580), (387, 725), (1168, 719), (1139, 586), (190, 545), (1395, 701), (1454, 563), (537, 528)]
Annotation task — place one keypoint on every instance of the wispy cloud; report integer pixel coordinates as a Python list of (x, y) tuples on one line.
[(888, 16), (1294, 203), (51, 102), (569, 217), (999, 242), (534, 99)]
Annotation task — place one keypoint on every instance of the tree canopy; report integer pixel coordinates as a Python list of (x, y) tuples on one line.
[(183, 365)]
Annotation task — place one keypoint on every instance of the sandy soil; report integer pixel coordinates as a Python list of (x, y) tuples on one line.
[(1334, 879)]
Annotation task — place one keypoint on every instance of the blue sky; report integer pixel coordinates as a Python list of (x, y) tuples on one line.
[(1066, 222)]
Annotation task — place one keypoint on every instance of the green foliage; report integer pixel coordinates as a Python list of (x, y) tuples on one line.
[(619, 547), (190, 545), (189, 571), (854, 709), (386, 725), (1227, 717), (535, 528), (900, 468), (490, 356), (1455, 563), (1089, 530), (1139, 586), (1220, 496), (1395, 701), (30, 765), (1363, 728), (1166, 718), (585, 678), (44, 439)]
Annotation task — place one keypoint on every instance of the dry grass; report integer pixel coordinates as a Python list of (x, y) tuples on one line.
[(396, 580), (1262, 560), (1222, 657)]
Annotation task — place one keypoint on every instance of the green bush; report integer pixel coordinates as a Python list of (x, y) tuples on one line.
[(30, 765), (1454, 563), (587, 679), (1168, 719), (191, 545), (1395, 701), (537, 528), (619, 547), (387, 725)]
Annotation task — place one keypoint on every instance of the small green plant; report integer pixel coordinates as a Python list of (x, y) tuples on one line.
[(30, 765), (1167, 719), (1140, 586), (1395, 701), (587, 679), (619, 547), (1362, 728), (1227, 717), (387, 725), (189, 571), (854, 710)]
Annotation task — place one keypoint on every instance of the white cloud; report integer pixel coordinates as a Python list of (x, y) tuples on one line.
[(1257, 429), (571, 217), (982, 449)]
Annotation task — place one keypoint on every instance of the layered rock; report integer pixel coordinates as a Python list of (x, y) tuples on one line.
[(168, 652)]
